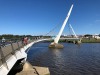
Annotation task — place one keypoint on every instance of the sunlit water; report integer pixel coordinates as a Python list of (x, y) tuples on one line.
[(71, 60)]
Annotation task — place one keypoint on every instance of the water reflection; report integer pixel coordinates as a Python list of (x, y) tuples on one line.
[(71, 60), (58, 58)]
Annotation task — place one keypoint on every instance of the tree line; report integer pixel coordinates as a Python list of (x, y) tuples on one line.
[(10, 36), (19, 37)]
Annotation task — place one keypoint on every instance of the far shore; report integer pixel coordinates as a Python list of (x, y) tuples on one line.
[(84, 40)]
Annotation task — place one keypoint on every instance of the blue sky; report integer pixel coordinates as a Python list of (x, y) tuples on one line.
[(38, 17)]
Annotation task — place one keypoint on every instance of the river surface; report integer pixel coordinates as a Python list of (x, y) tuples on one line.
[(83, 59)]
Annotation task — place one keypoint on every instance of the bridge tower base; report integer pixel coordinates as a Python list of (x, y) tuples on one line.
[(78, 42), (55, 45)]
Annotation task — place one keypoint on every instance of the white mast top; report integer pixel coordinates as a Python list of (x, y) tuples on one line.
[(63, 26)]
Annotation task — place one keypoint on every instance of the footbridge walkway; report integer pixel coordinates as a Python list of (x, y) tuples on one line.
[(13, 52)]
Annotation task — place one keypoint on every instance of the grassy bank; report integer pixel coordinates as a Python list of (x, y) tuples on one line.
[(84, 40), (90, 40)]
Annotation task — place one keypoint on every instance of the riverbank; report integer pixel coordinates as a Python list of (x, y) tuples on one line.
[(28, 69), (83, 40), (90, 40)]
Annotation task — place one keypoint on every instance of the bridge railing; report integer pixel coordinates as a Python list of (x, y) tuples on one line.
[(10, 49), (7, 51)]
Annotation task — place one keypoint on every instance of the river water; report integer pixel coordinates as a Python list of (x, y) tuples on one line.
[(83, 59)]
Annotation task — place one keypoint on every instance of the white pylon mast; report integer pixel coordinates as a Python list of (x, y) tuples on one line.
[(63, 26), (73, 30)]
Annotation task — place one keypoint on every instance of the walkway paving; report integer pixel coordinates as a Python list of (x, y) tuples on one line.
[(28, 69)]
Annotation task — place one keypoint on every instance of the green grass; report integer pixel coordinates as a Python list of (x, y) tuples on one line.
[(84, 40), (90, 40)]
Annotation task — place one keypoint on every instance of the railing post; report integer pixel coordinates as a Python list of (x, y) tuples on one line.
[(18, 45), (22, 42), (3, 57), (13, 51)]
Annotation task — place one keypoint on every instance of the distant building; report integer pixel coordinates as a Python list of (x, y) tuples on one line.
[(96, 36)]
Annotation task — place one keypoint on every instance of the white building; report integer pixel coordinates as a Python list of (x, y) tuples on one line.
[(96, 36)]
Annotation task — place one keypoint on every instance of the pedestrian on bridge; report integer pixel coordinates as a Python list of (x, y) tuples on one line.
[(25, 41)]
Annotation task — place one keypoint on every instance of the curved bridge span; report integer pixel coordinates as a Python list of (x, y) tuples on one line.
[(13, 52)]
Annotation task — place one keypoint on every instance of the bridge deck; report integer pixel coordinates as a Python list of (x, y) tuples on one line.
[(11, 53), (70, 38)]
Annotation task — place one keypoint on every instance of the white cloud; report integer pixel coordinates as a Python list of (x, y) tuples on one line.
[(97, 20)]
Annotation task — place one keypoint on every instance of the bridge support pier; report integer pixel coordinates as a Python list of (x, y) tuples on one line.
[(55, 45), (77, 42)]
